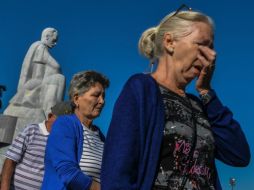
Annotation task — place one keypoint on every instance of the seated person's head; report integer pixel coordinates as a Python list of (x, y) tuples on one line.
[(61, 108)]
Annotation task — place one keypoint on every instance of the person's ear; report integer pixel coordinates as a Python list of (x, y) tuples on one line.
[(50, 115), (168, 43), (76, 100)]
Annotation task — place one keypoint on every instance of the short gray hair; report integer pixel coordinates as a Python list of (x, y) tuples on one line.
[(81, 82), (150, 42)]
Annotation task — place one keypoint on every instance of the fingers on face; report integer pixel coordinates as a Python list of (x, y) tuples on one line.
[(203, 60), (207, 56), (208, 67)]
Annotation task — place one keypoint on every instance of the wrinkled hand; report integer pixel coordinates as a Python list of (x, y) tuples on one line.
[(207, 57), (95, 186)]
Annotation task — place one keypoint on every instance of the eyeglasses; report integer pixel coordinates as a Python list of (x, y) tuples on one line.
[(183, 6)]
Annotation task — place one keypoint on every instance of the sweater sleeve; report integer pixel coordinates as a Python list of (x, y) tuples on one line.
[(121, 149), (231, 145), (62, 154)]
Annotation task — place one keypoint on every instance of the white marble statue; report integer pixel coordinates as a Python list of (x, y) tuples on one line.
[(41, 86)]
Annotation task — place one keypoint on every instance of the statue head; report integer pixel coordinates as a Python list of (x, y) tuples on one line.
[(49, 37)]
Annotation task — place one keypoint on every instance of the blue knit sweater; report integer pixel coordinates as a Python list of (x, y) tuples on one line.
[(134, 138), (63, 153)]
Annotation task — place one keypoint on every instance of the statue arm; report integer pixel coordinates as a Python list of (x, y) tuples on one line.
[(42, 56), (42, 61)]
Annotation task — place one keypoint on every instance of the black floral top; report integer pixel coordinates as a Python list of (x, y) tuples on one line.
[(177, 167)]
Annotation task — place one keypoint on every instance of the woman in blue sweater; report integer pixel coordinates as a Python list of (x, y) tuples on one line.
[(75, 146), (161, 137)]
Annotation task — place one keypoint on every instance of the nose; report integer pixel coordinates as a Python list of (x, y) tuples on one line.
[(101, 100)]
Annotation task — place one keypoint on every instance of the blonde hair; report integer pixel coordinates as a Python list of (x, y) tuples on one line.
[(150, 42)]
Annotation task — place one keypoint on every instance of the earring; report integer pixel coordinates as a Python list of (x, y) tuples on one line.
[(170, 50)]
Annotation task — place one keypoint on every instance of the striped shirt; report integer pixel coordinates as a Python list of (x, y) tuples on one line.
[(90, 162), (28, 150)]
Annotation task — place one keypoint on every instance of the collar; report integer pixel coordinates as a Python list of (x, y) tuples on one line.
[(43, 128)]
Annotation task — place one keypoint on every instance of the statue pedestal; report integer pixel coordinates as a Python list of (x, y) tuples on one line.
[(7, 128)]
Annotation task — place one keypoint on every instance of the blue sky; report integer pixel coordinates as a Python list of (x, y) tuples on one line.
[(103, 35)]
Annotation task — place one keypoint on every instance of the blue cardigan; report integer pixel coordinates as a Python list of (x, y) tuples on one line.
[(63, 153), (131, 150)]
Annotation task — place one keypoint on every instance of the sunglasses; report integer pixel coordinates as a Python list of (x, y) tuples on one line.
[(182, 7)]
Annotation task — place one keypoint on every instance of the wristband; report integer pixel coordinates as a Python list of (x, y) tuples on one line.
[(206, 98)]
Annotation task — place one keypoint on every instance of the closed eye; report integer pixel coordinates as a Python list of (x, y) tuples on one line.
[(205, 43), (96, 95)]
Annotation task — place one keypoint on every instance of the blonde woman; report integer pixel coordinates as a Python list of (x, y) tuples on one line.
[(161, 137)]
